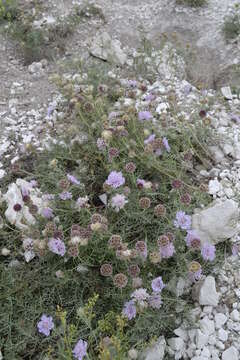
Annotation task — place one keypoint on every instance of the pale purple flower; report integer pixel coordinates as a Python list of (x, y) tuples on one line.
[(47, 213), (150, 139), (158, 284), (235, 249), (73, 179), (57, 246), (235, 118), (155, 301), (192, 239), (118, 202), (208, 252), (80, 349), (149, 97), (144, 115), (33, 183), (82, 202), (129, 310), (183, 221), (45, 325), (187, 89), (24, 191), (50, 110), (48, 197), (141, 182), (115, 179), (165, 144), (167, 251), (140, 295), (101, 144), (65, 195)]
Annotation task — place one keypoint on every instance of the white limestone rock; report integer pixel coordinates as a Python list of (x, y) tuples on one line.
[(227, 93), (218, 222), (155, 352), (220, 320), (230, 354), (205, 292), (105, 48)]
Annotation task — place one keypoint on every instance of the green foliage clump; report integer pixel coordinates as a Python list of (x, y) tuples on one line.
[(231, 27), (193, 3), (8, 10)]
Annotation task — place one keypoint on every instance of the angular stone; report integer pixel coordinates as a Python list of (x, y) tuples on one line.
[(176, 344), (105, 48), (220, 320), (218, 222), (205, 292), (155, 352), (230, 354), (227, 93)]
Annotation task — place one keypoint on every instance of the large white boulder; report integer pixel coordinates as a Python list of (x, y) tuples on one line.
[(218, 222)]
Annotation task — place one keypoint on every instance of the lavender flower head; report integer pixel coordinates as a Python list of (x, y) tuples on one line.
[(140, 295), (235, 249), (65, 195), (158, 284), (80, 349), (101, 144), (150, 139), (47, 213), (73, 180), (155, 301), (144, 115), (208, 252), (118, 202), (166, 145), (192, 239), (57, 246), (130, 310), (183, 221), (115, 179), (45, 325)]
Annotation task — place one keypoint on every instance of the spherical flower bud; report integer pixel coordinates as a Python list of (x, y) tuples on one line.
[(145, 203), (185, 199), (141, 247), (96, 218), (155, 257), (194, 271), (176, 184), (73, 251), (107, 135), (96, 226), (115, 241), (130, 167), (106, 270), (17, 207), (159, 210), (134, 270), (33, 209), (120, 280)]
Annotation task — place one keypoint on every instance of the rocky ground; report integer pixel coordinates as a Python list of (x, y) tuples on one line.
[(30, 107)]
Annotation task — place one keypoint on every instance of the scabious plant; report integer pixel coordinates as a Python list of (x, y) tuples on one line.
[(80, 349), (115, 179), (118, 205), (208, 252), (45, 325)]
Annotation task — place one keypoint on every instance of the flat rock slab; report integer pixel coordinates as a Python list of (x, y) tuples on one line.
[(218, 222)]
